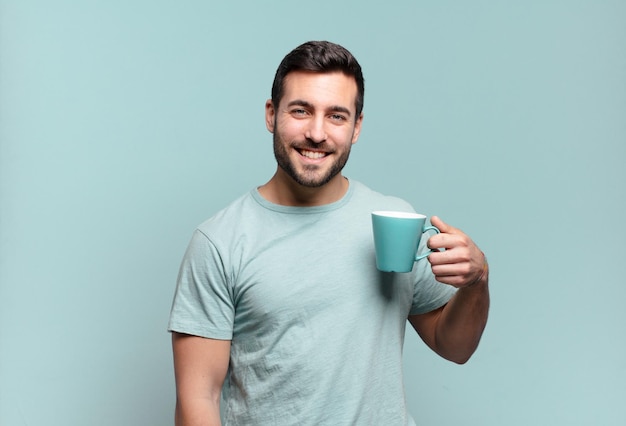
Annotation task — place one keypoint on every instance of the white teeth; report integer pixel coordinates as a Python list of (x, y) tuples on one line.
[(312, 154)]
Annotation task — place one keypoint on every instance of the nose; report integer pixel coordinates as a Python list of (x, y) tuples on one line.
[(316, 131)]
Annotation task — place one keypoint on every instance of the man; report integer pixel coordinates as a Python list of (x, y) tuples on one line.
[(279, 306)]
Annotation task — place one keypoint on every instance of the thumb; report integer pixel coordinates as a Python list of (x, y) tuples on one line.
[(443, 227)]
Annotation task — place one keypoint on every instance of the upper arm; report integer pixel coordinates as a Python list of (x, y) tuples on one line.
[(200, 366)]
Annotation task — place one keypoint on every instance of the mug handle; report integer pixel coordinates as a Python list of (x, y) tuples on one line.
[(423, 255)]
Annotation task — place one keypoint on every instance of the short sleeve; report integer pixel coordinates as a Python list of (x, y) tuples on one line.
[(203, 303)]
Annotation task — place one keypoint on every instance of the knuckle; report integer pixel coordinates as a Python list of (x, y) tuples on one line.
[(466, 269)]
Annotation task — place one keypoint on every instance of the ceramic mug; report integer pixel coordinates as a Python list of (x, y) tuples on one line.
[(396, 238)]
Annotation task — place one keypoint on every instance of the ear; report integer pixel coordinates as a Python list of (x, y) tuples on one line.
[(270, 115), (357, 128)]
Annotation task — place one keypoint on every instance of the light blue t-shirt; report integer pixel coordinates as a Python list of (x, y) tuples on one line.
[(317, 331)]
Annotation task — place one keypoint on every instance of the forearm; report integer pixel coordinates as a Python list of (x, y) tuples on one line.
[(463, 321), (197, 412)]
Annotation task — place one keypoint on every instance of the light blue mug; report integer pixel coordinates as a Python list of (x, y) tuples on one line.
[(396, 239)]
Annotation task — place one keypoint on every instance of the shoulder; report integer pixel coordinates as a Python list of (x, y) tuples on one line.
[(378, 201), (221, 228), (229, 214)]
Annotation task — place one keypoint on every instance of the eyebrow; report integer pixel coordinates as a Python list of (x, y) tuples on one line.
[(335, 108)]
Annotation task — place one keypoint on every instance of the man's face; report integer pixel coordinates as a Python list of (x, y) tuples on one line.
[(314, 126)]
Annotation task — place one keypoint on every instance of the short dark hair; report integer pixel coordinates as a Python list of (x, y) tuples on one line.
[(320, 57)]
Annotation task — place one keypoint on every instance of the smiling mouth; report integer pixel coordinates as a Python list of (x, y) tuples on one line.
[(312, 154)]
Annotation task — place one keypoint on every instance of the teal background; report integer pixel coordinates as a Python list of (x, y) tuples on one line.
[(123, 124)]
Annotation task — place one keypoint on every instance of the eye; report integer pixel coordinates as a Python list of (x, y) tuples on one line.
[(298, 112), (338, 117)]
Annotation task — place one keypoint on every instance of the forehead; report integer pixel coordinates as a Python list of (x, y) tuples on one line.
[(333, 88)]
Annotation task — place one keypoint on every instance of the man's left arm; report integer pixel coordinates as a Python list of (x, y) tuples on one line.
[(454, 330)]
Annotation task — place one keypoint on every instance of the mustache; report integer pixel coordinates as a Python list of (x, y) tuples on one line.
[(308, 144)]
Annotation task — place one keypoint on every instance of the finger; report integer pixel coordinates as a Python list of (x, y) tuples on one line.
[(442, 226), (450, 256), (454, 280), (453, 269), (457, 274), (447, 241)]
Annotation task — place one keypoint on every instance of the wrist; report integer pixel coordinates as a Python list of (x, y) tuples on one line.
[(484, 274)]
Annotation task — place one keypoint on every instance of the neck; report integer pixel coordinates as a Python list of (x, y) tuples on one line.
[(283, 190)]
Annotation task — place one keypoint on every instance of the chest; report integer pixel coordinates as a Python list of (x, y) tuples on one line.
[(307, 274)]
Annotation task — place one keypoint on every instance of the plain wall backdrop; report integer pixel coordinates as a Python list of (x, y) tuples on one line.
[(124, 124)]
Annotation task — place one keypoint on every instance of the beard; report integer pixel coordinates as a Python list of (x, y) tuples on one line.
[(312, 176)]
